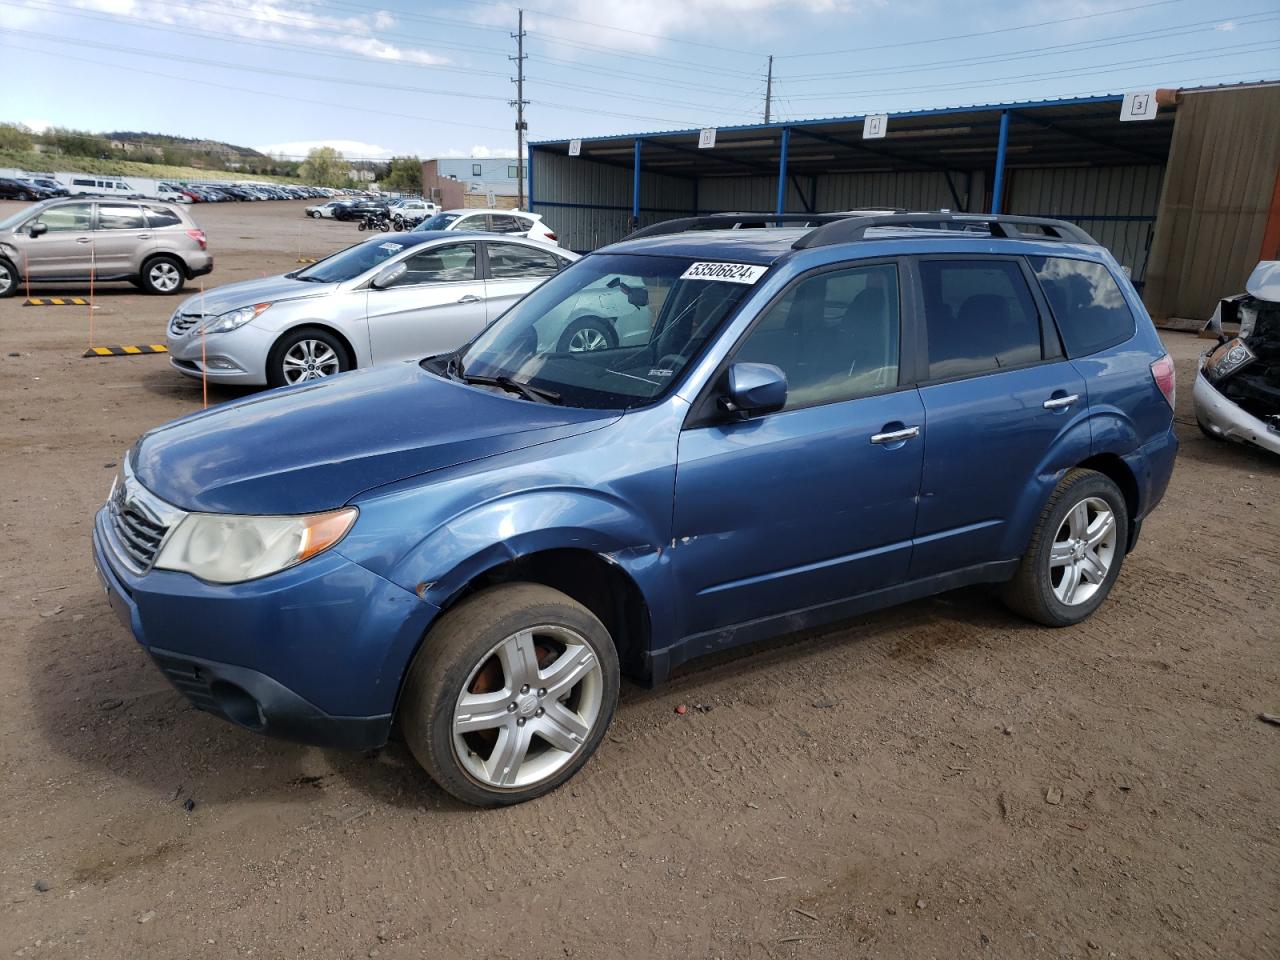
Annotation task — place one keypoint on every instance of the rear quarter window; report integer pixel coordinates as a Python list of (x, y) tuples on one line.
[(1087, 304)]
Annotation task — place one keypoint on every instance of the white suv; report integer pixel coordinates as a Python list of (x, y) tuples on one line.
[(518, 222)]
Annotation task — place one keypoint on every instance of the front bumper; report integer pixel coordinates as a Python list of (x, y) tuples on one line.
[(313, 654), (238, 357), (1222, 418)]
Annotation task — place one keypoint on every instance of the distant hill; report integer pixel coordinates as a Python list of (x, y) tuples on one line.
[(191, 144)]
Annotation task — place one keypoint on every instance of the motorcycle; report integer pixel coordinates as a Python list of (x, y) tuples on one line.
[(375, 221), (402, 222)]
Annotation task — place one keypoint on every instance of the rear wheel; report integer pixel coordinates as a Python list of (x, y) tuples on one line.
[(510, 694), (587, 334), (1076, 553), (163, 275)]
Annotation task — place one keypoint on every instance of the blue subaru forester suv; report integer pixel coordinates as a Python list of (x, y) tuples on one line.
[(780, 428)]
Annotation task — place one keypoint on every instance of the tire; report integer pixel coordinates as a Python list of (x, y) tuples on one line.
[(8, 279), (163, 275), (461, 653), (1069, 544), (320, 353), (360, 225), (586, 334), (314, 214)]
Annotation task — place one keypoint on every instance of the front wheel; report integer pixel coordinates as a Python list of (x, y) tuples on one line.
[(8, 279), (1075, 554), (587, 334), (315, 214), (306, 354), (510, 694)]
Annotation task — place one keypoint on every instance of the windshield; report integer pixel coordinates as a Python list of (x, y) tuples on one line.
[(16, 218), (351, 262), (440, 221), (612, 330)]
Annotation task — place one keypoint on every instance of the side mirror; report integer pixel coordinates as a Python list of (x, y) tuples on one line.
[(38, 229), (389, 276), (753, 389)]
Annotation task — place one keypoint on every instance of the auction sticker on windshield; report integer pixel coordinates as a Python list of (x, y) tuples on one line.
[(725, 272)]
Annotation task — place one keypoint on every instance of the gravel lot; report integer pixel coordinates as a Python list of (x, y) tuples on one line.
[(939, 780)]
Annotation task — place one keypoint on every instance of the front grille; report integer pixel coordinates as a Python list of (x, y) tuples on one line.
[(138, 536), (182, 322)]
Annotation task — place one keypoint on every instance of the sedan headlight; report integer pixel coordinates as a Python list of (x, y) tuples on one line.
[(1227, 359), (225, 548), (232, 319)]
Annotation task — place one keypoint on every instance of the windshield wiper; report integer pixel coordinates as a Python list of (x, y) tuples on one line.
[(536, 394)]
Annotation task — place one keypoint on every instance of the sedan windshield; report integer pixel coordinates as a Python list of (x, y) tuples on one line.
[(351, 262), (612, 330), (440, 221)]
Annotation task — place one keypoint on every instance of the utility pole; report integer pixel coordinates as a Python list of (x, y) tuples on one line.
[(768, 91), (519, 103)]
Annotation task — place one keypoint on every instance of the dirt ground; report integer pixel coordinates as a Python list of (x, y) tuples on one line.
[(885, 789)]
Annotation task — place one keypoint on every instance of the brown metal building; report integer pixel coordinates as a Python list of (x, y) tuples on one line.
[(1188, 201)]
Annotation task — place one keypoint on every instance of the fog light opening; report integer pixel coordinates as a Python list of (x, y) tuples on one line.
[(237, 705)]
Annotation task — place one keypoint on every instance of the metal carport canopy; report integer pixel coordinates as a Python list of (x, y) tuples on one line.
[(1041, 133)]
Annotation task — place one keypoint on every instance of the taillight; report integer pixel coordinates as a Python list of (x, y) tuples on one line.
[(1162, 371), (199, 237), (550, 235)]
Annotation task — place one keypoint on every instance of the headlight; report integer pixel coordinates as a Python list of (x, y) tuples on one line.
[(224, 548), (226, 322), (1227, 359)]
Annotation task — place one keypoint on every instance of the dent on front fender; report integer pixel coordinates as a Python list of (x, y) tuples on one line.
[(493, 533)]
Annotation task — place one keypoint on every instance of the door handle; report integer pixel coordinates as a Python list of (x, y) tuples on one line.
[(1057, 403), (144, 236), (896, 436), (470, 298), (83, 240)]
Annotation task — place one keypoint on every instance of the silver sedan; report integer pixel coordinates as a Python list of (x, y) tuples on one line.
[(398, 296)]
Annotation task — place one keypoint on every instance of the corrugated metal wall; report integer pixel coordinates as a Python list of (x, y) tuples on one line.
[(1117, 205), (1217, 195), (912, 190), (588, 204)]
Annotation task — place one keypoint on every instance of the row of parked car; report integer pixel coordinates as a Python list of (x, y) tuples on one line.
[(43, 187)]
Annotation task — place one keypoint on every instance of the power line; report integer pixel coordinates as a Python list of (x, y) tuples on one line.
[(1032, 53), (985, 33)]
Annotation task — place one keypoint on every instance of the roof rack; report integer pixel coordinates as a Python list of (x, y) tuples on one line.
[(729, 221), (846, 229)]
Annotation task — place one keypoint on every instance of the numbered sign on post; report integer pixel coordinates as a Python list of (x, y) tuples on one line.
[(575, 148), (1138, 105), (874, 127), (706, 138)]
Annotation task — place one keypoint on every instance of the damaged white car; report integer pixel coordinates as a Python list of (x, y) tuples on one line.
[(1237, 391)]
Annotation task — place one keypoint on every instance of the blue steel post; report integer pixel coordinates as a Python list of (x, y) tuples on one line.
[(529, 178), (635, 188), (998, 186), (782, 171)]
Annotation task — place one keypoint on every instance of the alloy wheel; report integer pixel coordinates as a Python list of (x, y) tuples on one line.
[(164, 276), (586, 340), (1083, 550), (309, 360), (6, 279), (528, 707)]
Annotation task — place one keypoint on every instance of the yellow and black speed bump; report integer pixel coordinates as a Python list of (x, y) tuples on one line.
[(55, 302), (130, 351), (306, 259)]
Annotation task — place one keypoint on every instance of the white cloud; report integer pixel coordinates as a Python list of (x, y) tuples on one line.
[(477, 152), (1226, 26), (352, 149), (642, 24), (37, 126), (273, 20)]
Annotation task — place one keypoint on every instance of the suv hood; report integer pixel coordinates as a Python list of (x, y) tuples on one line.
[(314, 447), (232, 296)]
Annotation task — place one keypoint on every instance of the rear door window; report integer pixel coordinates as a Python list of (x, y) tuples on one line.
[(120, 216), (980, 315), (513, 260), (1086, 302)]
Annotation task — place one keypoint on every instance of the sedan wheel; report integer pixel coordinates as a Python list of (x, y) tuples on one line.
[(309, 360), (587, 339), (1082, 551)]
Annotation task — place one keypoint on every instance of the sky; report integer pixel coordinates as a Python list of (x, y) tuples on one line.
[(434, 79)]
